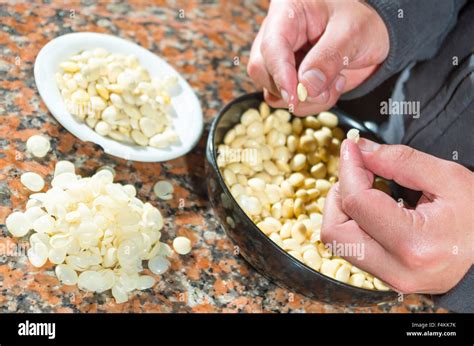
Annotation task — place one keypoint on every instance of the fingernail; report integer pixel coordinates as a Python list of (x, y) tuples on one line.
[(321, 98), (284, 96), (340, 83), (367, 145), (315, 79)]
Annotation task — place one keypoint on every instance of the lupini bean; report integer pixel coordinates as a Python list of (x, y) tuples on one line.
[(298, 162), (182, 245), (257, 184), (250, 116), (103, 128), (343, 273), (264, 110), (255, 129), (296, 179), (38, 145), (323, 186), (319, 170), (298, 232), (311, 122), (353, 135), (269, 225), (357, 279), (312, 259), (302, 92), (328, 119)]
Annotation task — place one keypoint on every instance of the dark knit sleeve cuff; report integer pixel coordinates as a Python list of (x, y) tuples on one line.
[(461, 297), (416, 30)]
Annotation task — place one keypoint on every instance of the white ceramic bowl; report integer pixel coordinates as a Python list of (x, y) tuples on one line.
[(186, 114)]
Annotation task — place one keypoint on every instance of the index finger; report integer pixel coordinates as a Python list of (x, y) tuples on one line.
[(279, 43), (256, 67)]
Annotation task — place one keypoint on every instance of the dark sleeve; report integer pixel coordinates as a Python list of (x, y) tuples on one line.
[(416, 29), (461, 297)]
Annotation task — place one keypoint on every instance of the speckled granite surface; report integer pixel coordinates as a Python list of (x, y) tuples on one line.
[(203, 46)]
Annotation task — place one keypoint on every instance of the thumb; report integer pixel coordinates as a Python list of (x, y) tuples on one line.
[(410, 168), (322, 65), (353, 175)]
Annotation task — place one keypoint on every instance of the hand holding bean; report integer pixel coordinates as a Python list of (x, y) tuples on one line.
[(425, 250), (330, 47)]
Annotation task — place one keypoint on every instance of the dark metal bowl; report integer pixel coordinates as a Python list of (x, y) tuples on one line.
[(259, 250)]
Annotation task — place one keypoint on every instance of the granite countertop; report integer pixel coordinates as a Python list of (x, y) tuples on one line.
[(203, 46)]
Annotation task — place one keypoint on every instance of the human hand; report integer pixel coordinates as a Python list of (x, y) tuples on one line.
[(425, 250), (329, 46)]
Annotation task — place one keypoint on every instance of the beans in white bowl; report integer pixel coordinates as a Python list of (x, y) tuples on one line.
[(114, 95)]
